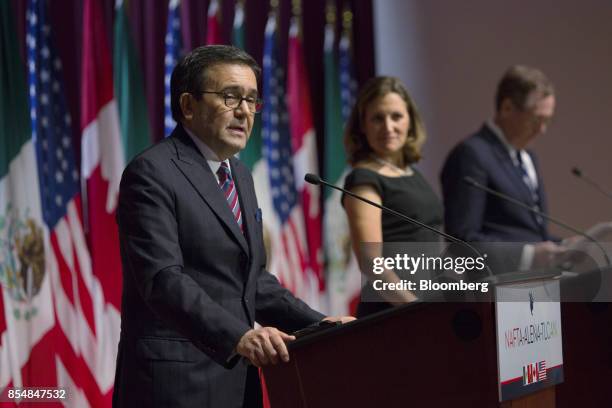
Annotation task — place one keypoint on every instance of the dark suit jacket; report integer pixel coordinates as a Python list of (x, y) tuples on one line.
[(474, 215), (193, 284)]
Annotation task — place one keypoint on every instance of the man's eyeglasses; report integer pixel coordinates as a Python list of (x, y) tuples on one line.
[(233, 101)]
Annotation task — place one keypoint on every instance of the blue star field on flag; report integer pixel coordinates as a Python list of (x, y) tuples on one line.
[(275, 129), (173, 49), (51, 123), (348, 84)]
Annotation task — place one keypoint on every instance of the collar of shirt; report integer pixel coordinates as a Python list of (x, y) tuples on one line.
[(211, 157), (502, 138), (513, 152)]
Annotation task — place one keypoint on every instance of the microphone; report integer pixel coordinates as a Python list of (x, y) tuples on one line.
[(474, 183), (578, 173), (316, 180)]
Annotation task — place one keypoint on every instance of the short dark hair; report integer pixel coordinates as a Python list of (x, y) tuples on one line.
[(355, 141), (519, 82), (189, 75)]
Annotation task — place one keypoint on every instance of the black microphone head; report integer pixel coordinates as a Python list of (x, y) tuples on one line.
[(470, 181), (312, 179), (577, 172)]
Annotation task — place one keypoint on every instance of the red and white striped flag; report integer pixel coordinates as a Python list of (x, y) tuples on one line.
[(289, 247), (304, 146), (213, 26)]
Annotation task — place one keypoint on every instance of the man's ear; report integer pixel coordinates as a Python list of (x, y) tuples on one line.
[(507, 107), (186, 102)]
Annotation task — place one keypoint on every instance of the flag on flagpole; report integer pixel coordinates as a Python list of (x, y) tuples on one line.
[(173, 50), (25, 303), (238, 26), (251, 154), (101, 166), (304, 149), (133, 116), (342, 273), (288, 246), (102, 154), (348, 83), (335, 157), (213, 29), (60, 330)]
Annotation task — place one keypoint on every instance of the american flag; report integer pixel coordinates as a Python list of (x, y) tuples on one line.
[(51, 122), (348, 84), (173, 49), (542, 370), (289, 256), (80, 348)]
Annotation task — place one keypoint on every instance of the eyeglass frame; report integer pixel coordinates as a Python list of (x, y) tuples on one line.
[(258, 101)]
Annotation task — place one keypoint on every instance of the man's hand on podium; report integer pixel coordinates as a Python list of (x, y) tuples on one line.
[(264, 346), (546, 254), (267, 345)]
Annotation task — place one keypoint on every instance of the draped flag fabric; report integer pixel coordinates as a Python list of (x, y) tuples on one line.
[(101, 167), (348, 83), (238, 26), (342, 273), (26, 310), (213, 29), (251, 154), (133, 116), (103, 159), (60, 330), (173, 50), (288, 245), (304, 148)]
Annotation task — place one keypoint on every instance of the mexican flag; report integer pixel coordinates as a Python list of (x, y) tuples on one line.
[(26, 303), (251, 155), (343, 277), (238, 26), (131, 102)]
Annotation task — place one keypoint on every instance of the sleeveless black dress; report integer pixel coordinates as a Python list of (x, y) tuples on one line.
[(410, 195)]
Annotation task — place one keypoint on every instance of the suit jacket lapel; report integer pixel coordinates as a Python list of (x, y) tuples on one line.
[(195, 168), (521, 190), (246, 205)]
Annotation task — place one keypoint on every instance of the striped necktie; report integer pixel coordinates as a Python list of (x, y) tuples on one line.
[(529, 183), (229, 189)]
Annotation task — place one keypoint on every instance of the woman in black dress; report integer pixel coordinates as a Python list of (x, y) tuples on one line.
[(383, 139)]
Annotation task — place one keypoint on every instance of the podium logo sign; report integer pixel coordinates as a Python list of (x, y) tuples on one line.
[(535, 372), (529, 338)]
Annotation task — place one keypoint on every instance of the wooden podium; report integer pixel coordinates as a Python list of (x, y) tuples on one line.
[(434, 355), (416, 355)]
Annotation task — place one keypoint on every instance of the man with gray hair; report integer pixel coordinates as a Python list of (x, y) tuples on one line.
[(496, 156)]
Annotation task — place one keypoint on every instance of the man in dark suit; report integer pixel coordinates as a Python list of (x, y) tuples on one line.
[(497, 157), (194, 278)]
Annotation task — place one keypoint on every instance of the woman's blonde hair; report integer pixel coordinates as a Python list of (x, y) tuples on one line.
[(355, 141)]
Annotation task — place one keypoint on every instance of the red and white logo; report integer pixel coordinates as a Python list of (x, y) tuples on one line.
[(534, 372)]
